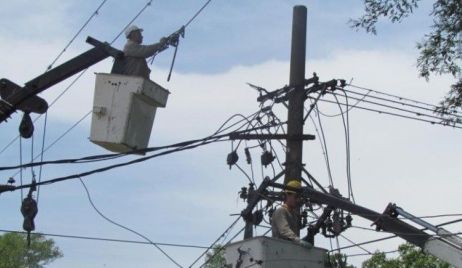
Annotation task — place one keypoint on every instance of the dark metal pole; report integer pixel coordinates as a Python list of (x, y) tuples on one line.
[(296, 97)]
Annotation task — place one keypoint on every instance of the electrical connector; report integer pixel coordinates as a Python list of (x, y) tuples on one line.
[(232, 158)]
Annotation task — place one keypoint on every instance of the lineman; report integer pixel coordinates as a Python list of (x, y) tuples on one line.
[(134, 62), (285, 220)]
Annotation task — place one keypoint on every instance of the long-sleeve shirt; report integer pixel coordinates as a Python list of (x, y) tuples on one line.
[(135, 58), (285, 224)]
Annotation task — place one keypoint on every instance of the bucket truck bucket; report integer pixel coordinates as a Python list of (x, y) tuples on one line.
[(268, 252), (124, 108)]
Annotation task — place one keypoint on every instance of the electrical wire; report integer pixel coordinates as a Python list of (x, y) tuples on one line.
[(148, 3), (94, 14), (398, 233), (214, 242), (352, 242), (56, 140), (20, 163), (350, 107), (326, 159), (346, 127), (245, 173), (397, 115), (197, 13), (102, 157), (41, 154), (107, 239), (184, 27), (216, 253), (394, 236), (124, 227), (416, 113), (81, 74), (393, 96), (369, 254), (99, 170), (331, 181), (205, 141), (400, 103)]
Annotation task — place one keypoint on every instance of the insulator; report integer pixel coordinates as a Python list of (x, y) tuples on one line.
[(232, 158)]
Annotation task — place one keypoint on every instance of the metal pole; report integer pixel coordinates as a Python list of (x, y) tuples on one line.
[(296, 96)]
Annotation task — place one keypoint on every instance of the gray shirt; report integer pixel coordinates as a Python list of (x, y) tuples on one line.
[(285, 224), (135, 58)]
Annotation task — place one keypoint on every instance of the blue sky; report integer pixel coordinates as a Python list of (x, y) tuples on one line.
[(187, 197)]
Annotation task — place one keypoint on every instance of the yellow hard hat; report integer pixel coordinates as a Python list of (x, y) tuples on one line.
[(294, 184)]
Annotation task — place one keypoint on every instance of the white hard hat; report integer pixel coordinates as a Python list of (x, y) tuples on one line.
[(132, 28)]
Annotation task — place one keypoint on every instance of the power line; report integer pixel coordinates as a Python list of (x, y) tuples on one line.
[(350, 106), (55, 141), (397, 233), (205, 141), (124, 227), (394, 108), (326, 159), (394, 236), (219, 237), (132, 20), (399, 102), (197, 13), (346, 126), (184, 27), (324, 141), (81, 74), (216, 253), (101, 157), (369, 254), (396, 115), (41, 153), (391, 95), (78, 32), (108, 239)]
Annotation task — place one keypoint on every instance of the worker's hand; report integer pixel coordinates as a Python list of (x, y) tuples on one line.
[(305, 244)]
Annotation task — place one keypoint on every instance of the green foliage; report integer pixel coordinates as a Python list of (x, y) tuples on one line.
[(395, 10), (14, 251), (216, 258), (337, 260), (409, 257), (440, 49)]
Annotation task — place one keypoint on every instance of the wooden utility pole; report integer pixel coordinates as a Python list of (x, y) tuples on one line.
[(296, 96), (294, 135)]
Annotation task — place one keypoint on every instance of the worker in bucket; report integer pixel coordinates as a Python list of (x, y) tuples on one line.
[(134, 63), (285, 221)]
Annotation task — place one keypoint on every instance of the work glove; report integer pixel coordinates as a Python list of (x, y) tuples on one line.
[(305, 244)]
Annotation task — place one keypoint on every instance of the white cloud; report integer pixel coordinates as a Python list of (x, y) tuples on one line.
[(411, 163)]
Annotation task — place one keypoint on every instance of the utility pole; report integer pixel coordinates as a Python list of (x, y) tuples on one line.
[(296, 96)]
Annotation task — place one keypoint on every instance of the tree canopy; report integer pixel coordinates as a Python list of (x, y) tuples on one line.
[(14, 251), (410, 256), (216, 258), (440, 49)]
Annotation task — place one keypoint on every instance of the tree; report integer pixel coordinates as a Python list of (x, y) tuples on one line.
[(216, 258), (337, 260), (409, 257), (440, 50), (14, 251)]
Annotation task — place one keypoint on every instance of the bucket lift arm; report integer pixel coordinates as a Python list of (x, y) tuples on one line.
[(14, 97), (444, 245)]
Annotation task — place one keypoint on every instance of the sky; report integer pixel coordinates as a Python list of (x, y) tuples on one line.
[(188, 197)]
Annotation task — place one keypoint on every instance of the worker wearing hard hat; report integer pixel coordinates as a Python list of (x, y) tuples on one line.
[(285, 221), (134, 62)]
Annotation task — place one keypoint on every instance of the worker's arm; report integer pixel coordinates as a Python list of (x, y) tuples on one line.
[(143, 51), (281, 223)]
